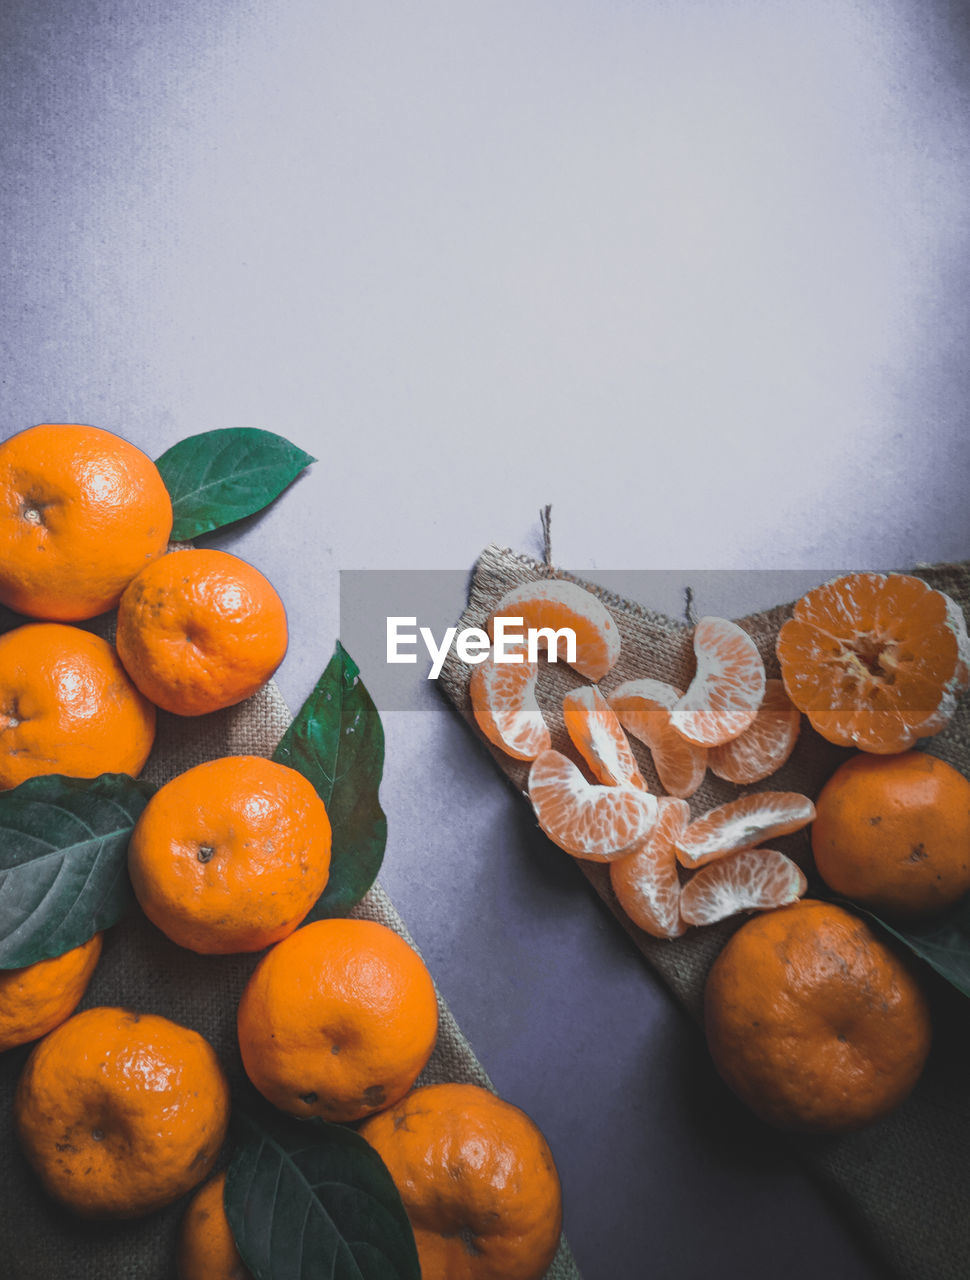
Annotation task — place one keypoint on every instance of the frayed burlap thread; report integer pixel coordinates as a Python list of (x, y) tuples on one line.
[(904, 1181), (141, 969)]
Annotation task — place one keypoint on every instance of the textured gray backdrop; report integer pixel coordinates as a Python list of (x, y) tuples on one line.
[(693, 272)]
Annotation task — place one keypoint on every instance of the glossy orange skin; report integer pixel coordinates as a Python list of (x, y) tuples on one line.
[(337, 1020), (231, 855), (37, 998), (478, 1182), (120, 1113), (893, 833), (813, 1021), (200, 630), (67, 706), (206, 1248), (81, 511)]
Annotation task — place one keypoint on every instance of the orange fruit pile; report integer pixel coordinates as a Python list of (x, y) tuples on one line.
[(121, 1112), (812, 1020), (872, 659)]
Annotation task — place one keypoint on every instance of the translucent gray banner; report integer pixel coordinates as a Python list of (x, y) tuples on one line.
[(431, 601)]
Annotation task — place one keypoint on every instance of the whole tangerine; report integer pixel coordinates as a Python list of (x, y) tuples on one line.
[(38, 997), (206, 1247), (81, 511), (231, 855), (337, 1020), (893, 833), (477, 1179), (199, 630), (813, 1021), (67, 706), (119, 1113)]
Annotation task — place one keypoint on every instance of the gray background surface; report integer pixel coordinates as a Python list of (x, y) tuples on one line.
[(693, 272)]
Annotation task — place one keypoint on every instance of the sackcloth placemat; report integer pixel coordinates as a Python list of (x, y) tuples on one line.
[(141, 969), (904, 1181)]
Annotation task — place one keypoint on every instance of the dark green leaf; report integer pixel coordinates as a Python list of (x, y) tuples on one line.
[(943, 943), (221, 476), (337, 741), (63, 862), (307, 1200)]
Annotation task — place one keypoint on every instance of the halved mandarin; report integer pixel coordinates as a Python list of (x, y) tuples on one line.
[(598, 736), (723, 698), (742, 824), (875, 660), (586, 819), (753, 880), (552, 604), (643, 708), (765, 745), (503, 696), (646, 881)]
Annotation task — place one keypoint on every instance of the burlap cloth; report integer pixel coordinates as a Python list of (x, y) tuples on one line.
[(905, 1181), (140, 968)]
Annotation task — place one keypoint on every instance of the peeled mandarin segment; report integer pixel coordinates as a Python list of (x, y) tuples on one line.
[(765, 745), (724, 696), (875, 660), (754, 880), (556, 603), (588, 821), (643, 708), (598, 736), (646, 882), (503, 696), (742, 824)]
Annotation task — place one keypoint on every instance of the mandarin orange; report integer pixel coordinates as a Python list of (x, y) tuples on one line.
[(67, 706), (813, 1021), (477, 1179), (231, 855), (337, 1020), (119, 1113), (199, 630), (81, 512)]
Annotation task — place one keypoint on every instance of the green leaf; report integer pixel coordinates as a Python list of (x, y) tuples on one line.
[(63, 862), (221, 476), (943, 943), (308, 1200), (337, 741)]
